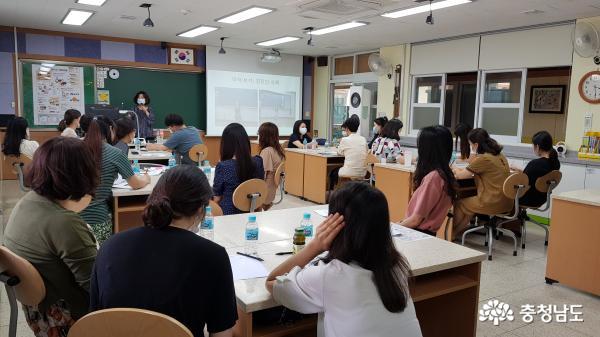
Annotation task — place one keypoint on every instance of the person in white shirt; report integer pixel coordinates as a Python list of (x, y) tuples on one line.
[(354, 149), (16, 140), (358, 283), (70, 123)]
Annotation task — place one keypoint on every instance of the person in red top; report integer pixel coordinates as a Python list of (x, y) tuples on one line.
[(434, 181)]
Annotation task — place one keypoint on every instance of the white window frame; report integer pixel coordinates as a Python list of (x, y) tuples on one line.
[(413, 105), (521, 105)]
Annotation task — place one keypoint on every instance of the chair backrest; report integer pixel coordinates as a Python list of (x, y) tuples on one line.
[(198, 152), (249, 192), (128, 322), (515, 185), (17, 166), (216, 210), (548, 182), (285, 144), (30, 290), (279, 173)]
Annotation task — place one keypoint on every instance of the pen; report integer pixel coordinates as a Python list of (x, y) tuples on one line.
[(250, 256), (284, 253)]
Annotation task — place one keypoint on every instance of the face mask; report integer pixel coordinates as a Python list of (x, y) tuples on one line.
[(27, 132), (344, 133), (141, 101), (196, 227), (473, 150), (303, 131), (399, 135), (375, 130)]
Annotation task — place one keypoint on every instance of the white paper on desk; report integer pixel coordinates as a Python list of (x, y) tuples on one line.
[(245, 268), (407, 234), (121, 183), (156, 171), (322, 212)]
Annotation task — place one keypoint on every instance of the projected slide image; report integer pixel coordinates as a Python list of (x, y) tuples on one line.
[(236, 105), (277, 107)]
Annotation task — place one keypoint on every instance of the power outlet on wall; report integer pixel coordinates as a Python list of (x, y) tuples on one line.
[(12, 104), (587, 122)]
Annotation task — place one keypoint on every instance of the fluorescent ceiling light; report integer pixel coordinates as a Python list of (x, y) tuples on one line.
[(44, 69), (198, 31), (48, 65), (245, 14), (76, 17), (425, 8), (278, 41), (337, 28), (91, 2)]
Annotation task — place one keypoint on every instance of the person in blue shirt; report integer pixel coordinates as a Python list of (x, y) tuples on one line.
[(236, 166), (182, 139)]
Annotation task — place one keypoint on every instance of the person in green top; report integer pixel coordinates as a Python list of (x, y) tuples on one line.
[(45, 229), (111, 162)]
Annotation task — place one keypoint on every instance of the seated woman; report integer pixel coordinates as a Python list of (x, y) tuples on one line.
[(236, 166), (354, 149), (70, 123), (125, 133), (16, 139), (461, 131), (45, 229), (434, 181), (378, 125), (354, 292), (110, 161), (299, 135), (179, 281), (388, 144), (490, 168), (547, 162), (272, 156)]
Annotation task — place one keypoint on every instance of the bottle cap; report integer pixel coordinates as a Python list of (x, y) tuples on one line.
[(306, 215), (252, 218), (208, 209), (299, 230)]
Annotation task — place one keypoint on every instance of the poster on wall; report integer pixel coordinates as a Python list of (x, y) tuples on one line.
[(55, 91)]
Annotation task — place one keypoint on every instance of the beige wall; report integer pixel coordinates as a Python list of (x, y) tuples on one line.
[(578, 107), (385, 87), (321, 101), (553, 123)]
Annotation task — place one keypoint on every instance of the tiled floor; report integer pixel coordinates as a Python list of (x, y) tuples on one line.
[(515, 280)]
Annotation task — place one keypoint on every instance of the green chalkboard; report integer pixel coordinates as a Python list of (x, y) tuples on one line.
[(27, 90), (169, 91)]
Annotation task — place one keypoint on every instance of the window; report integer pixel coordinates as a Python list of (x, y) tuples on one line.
[(340, 111), (427, 101)]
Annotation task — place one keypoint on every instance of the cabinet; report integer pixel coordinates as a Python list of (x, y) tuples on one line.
[(592, 177)]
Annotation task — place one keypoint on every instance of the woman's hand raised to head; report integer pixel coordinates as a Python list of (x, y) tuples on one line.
[(327, 232)]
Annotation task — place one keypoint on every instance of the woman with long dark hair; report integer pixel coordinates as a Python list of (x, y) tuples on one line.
[(272, 156), (16, 139), (111, 162), (360, 287), (70, 123), (461, 131), (378, 125), (434, 182), (490, 169), (547, 162), (299, 135), (195, 282), (236, 166)]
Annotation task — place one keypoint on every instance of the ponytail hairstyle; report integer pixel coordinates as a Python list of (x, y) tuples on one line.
[(367, 241), (98, 132), (461, 131), (70, 116), (486, 144), (381, 121), (543, 140), (179, 193), (16, 131)]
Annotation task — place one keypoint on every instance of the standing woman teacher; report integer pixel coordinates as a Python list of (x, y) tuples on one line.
[(144, 113)]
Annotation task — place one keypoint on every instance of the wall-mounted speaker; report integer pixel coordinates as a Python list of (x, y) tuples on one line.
[(163, 45), (322, 61)]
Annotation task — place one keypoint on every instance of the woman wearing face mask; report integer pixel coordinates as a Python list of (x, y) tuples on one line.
[(189, 278), (490, 168), (299, 135), (378, 125), (388, 144), (144, 113)]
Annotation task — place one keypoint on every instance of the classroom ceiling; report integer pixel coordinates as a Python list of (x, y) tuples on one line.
[(123, 18)]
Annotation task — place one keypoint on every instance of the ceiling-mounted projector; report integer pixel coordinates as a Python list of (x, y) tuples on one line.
[(274, 56)]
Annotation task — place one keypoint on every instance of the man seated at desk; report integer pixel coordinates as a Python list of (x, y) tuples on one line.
[(182, 139)]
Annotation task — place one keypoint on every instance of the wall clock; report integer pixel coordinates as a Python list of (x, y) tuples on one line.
[(114, 74), (181, 56), (589, 87)]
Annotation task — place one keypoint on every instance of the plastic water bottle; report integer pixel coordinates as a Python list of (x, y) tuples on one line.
[(326, 145), (172, 161), (305, 142), (136, 167), (207, 171), (306, 223), (207, 228), (137, 144), (251, 235), (159, 139)]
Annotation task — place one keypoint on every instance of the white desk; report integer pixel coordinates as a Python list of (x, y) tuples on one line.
[(150, 155), (446, 275)]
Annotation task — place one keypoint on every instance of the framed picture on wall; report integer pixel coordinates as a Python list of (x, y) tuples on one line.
[(547, 99)]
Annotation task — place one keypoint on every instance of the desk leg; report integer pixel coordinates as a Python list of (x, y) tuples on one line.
[(294, 173), (243, 326), (397, 187), (115, 218)]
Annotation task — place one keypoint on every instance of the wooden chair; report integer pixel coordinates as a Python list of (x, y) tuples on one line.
[(370, 163), (128, 322), (514, 188), (446, 231), (250, 195), (215, 208), (198, 153), (279, 179), (545, 184), (23, 283), (285, 144)]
